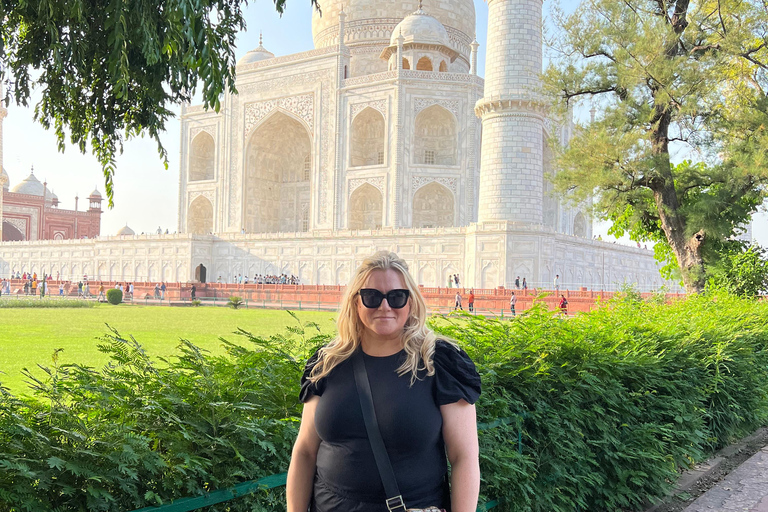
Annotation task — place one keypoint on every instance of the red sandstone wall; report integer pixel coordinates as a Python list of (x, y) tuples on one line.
[(329, 296)]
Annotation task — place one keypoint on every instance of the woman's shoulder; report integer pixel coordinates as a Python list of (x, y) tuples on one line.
[(309, 388), (455, 374)]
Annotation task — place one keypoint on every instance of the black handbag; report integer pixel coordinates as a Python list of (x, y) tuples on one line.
[(394, 499)]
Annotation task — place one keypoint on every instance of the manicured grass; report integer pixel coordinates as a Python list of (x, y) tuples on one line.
[(28, 337)]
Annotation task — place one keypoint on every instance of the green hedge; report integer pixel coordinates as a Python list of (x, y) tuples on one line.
[(48, 302), (114, 296), (597, 412)]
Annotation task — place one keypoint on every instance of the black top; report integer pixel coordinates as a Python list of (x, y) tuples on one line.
[(347, 479)]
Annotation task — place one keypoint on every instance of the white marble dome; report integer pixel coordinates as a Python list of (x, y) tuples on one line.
[(452, 14), (256, 55), (30, 185), (125, 231), (421, 28)]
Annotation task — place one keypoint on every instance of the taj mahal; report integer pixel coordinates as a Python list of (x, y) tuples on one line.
[(381, 137)]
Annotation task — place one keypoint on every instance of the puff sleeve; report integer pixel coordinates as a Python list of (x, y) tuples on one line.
[(455, 375), (309, 388)]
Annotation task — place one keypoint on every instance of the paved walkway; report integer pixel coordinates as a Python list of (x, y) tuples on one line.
[(745, 489)]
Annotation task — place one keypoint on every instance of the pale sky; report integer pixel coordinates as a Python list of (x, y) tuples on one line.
[(146, 195)]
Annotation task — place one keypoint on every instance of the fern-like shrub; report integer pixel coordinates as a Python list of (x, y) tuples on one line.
[(114, 296), (235, 302), (596, 412)]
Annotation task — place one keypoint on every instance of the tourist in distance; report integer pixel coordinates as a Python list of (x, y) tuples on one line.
[(525, 284), (422, 390), (517, 282), (563, 305), (471, 301), (512, 303), (457, 300), (557, 283)]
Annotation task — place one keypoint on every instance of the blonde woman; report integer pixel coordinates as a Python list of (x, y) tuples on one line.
[(423, 392)]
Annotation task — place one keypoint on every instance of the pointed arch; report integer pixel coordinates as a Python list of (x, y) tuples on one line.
[(366, 207), (367, 138), (202, 157), (424, 64), (275, 171), (11, 233), (200, 216), (443, 67), (406, 64), (436, 137), (580, 225), (433, 206)]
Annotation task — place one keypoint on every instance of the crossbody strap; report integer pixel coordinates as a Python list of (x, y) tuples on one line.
[(394, 498)]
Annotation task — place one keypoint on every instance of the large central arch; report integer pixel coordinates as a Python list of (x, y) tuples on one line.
[(277, 187)]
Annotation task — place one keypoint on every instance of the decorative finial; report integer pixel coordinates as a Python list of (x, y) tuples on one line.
[(33, 169), (420, 4), (260, 38)]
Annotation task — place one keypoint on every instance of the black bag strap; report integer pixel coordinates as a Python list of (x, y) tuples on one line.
[(394, 498)]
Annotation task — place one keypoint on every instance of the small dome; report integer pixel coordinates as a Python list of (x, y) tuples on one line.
[(7, 178), (419, 27), (50, 196), (30, 186), (256, 55), (95, 193), (125, 231)]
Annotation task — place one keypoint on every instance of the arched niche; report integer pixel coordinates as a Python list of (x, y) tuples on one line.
[(406, 64), (436, 137), (367, 138), (11, 233), (433, 207), (276, 177), (580, 225), (365, 208), (424, 64), (200, 216), (443, 67), (202, 153)]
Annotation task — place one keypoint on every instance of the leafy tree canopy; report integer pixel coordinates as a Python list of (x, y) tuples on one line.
[(743, 271), (110, 71), (670, 78)]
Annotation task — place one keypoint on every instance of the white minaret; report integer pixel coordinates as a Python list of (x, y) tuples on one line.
[(3, 113), (512, 113)]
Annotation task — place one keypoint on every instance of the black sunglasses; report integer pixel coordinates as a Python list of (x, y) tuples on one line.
[(372, 298)]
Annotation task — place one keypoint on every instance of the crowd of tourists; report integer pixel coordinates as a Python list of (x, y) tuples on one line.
[(264, 279)]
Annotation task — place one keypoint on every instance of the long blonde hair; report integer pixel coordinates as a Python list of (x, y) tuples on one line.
[(418, 339)]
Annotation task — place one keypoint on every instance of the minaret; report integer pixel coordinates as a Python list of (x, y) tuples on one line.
[(3, 113), (512, 114)]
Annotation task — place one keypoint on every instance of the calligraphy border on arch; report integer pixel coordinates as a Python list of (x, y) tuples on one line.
[(380, 105), (209, 129), (453, 106), (303, 105), (377, 181), (420, 181)]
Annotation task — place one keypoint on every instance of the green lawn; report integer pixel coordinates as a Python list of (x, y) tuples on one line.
[(29, 336)]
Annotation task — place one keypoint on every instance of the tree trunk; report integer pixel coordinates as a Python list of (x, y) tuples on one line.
[(687, 252)]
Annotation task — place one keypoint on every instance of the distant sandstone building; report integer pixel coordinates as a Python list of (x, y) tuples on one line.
[(30, 211), (382, 137)]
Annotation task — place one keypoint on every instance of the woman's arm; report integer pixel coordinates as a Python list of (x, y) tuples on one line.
[(460, 436), (301, 472)]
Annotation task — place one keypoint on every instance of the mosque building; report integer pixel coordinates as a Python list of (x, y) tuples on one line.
[(30, 211), (381, 137)]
